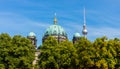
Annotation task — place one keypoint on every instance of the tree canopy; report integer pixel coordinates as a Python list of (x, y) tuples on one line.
[(102, 53), (57, 56), (16, 52)]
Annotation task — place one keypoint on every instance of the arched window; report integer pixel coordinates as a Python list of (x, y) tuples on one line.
[(63, 33), (47, 33), (55, 32)]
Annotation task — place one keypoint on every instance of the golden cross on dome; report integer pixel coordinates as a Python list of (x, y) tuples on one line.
[(55, 19)]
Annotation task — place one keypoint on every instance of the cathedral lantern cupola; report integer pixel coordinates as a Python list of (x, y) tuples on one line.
[(55, 31), (55, 19), (76, 37), (84, 31), (33, 39)]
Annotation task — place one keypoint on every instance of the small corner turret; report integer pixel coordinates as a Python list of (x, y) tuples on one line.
[(33, 39)]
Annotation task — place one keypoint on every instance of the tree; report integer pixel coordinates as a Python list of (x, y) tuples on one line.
[(116, 47), (100, 54), (47, 50), (68, 57), (96, 55), (16, 52), (85, 54), (57, 56), (5, 46), (24, 51), (104, 53)]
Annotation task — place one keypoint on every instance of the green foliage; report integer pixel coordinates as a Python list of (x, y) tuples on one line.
[(16, 52), (104, 53), (57, 56), (67, 54), (100, 54), (84, 50), (47, 54)]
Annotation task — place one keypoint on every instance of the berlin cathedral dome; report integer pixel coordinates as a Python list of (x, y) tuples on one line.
[(55, 31)]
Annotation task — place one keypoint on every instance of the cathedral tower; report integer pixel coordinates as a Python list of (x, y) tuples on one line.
[(33, 39), (76, 37)]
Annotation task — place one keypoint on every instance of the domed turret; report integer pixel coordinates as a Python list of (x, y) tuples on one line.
[(56, 31), (76, 37), (32, 34), (33, 39)]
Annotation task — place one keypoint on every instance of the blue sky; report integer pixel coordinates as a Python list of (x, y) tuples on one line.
[(19, 17)]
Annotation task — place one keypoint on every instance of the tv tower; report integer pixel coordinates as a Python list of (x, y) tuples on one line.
[(84, 31)]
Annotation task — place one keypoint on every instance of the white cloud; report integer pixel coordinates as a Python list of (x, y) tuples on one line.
[(104, 31), (12, 19)]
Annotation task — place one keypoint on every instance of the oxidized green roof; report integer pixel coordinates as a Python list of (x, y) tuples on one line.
[(31, 34), (76, 35), (55, 30)]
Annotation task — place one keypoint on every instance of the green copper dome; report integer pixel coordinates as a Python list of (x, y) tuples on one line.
[(76, 35), (31, 34), (55, 30)]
